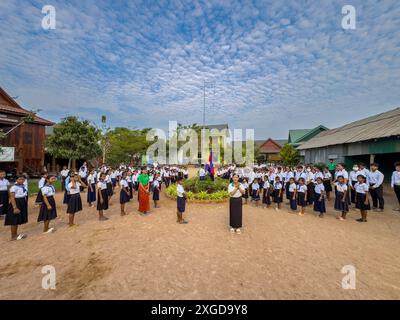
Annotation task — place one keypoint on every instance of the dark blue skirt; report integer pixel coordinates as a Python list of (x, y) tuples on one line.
[(277, 197), (360, 202), (124, 196), (254, 195), (339, 204), (74, 203), (319, 205), (130, 184), (17, 219), (91, 195), (4, 201), (293, 202), (39, 197), (46, 214), (266, 196), (66, 197), (156, 194), (110, 189), (301, 196), (104, 205), (181, 204)]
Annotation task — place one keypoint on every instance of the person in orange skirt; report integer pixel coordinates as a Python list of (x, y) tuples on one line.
[(144, 192)]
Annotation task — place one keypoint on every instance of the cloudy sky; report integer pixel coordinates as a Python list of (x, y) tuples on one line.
[(276, 65)]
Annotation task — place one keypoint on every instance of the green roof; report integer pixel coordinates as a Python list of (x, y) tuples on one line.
[(296, 134)]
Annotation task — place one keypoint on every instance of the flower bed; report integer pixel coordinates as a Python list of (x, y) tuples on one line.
[(202, 191)]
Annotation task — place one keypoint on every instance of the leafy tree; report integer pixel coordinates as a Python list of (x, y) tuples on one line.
[(126, 145), (74, 139), (290, 156)]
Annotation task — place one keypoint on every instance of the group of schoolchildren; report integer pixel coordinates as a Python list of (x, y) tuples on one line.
[(101, 184), (310, 185)]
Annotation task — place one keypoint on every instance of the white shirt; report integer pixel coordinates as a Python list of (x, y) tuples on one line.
[(156, 184), (64, 172), (48, 191), (353, 176), (361, 187), (342, 173), (76, 190), (91, 179), (319, 188), (41, 183), (266, 184), (277, 185), (341, 187), (302, 188), (202, 172), (292, 187), (255, 186), (180, 190), (237, 194), (375, 178), (123, 183), (4, 183), (395, 179), (102, 185), (19, 191)]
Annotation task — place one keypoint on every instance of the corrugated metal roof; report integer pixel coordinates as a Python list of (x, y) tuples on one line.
[(383, 125)]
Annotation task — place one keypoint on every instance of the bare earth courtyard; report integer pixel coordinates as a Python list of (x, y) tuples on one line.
[(278, 255)]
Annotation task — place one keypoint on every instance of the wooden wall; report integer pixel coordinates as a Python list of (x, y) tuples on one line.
[(29, 143)]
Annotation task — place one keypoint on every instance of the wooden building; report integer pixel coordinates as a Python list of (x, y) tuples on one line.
[(270, 149), (23, 148)]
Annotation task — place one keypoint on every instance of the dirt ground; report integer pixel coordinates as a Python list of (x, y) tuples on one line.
[(278, 255)]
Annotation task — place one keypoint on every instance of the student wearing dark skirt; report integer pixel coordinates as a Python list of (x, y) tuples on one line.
[(102, 197), (17, 213), (246, 190), (91, 194), (362, 201), (266, 199), (66, 190), (156, 190), (236, 192), (181, 202), (292, 195), (327, 177), (75, 200), (41, 183), (130, 184), (109, 186), (124, 195), (319, 197), (341, 203), (302, 196), (48, 209), (4, 196), (255, 192), (278, 192)]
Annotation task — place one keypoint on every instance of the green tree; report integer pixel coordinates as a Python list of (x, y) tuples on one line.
[(126, 145), (74, 139), (290, 156)]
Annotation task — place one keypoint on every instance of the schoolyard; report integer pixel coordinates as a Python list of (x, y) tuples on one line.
[(278, 255)]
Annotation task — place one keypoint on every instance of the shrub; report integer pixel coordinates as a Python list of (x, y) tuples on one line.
[(202, 195), (195, 185)]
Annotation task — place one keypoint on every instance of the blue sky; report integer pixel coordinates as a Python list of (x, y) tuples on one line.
[(276, 65)]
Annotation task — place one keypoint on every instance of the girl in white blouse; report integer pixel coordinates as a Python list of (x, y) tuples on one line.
[(362, 201), (17, 214)]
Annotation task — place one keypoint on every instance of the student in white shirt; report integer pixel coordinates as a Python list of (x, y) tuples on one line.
[(278, 189), (124, 195), (181, 201), (375, 179), (341, 203), (102, 196), (91, 194), (75, 201), (352, 181), (302, 196), (292, 189), (319, 197), (236, 192), (64, 174), (48, 208), (266, 199), (41, 183), (395, 184), (362, 202), (202, 173), (156, 190), (4, 197), (17, 214), (255, 192)]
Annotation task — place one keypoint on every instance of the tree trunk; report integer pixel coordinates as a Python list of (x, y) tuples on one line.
[(69, 164)]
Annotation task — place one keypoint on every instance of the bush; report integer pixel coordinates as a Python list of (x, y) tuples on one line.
[(195, 185), (202, 195)]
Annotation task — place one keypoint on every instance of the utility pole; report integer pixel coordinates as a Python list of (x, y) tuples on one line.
[(204, 105)]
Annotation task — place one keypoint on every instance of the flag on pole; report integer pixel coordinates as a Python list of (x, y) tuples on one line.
[(210, 165)]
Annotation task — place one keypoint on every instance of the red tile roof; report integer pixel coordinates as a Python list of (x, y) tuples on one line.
[(14, 108)]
